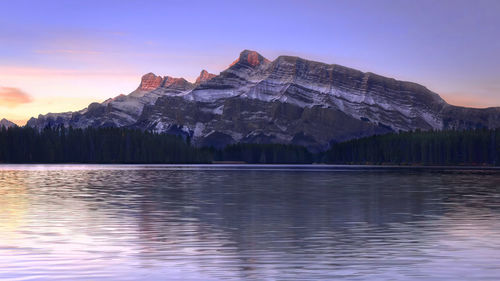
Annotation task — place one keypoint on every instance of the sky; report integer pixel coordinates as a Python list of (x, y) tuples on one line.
[(60, 56)]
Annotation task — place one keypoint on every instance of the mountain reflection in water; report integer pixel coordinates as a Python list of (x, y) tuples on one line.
[(104, 222)]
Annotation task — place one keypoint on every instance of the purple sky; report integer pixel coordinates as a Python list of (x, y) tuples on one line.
[(61, 55)]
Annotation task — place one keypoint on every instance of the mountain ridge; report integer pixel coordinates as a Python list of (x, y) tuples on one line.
[(7, 123), (287, 100)]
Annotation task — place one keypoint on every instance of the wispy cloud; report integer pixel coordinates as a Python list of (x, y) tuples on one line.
[(25, 72), (12, 97), (69, 52)]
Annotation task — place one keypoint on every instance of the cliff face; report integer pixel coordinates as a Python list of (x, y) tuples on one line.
[(288, 100)]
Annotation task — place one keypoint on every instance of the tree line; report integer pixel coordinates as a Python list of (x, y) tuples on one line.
[(94, 145), (452, 147), (120, 145)]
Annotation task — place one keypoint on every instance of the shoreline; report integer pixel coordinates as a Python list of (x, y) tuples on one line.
[(305, 167)]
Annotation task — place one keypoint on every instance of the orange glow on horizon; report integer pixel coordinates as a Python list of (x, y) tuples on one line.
[(468, 101), (26, 92), (22, 113)]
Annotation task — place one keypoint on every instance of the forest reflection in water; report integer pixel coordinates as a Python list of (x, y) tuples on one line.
[(248, 222)]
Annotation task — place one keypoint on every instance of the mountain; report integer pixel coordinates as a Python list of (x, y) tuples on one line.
[(288, 100), (204, 76), (6, 123), (120, 111)]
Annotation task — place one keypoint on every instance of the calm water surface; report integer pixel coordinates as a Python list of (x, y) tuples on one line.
[(92, 222)]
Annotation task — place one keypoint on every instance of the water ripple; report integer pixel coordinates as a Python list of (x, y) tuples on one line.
[(157, 222)]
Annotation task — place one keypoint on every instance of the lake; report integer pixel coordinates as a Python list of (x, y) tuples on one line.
[(251, 222)]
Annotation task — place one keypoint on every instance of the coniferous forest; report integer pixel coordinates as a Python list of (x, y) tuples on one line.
[(102, 145), (468, 147), (118, 145)]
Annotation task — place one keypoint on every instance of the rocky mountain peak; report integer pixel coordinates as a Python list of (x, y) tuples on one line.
[(250, 58), (177, 83), (150, 82), (204, 76)]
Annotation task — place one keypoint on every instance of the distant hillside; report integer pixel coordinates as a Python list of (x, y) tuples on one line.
[(6, 123)]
